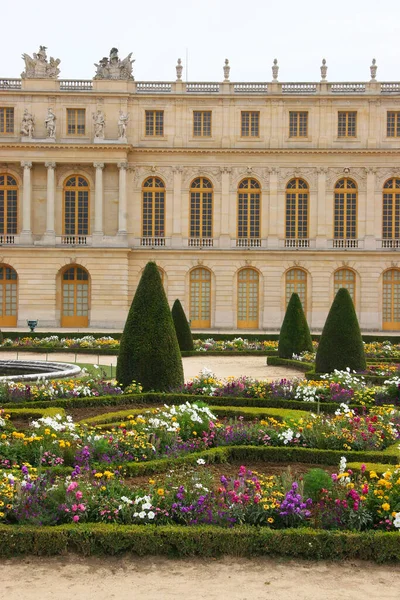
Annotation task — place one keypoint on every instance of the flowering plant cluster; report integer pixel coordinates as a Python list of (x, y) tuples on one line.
[(53, 341), (237, 344)]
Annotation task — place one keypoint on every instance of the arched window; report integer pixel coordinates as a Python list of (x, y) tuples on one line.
[(153, 208), (8, 205), (296, 282), (8, 296), (75, 297), (248, 226), (345, 278), (391, 209), (76, 206), (345, 215), (391, 299), (247, 311), (200, 298), (201, 208), (297, 194)]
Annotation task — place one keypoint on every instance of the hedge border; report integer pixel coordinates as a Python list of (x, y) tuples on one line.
[(204, 541), (153, 399), (289, 362)]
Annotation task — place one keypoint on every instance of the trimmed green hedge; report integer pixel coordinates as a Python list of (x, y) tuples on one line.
[(33, 413), (154, 399), (205, 541), (113, 418), (289, 362)]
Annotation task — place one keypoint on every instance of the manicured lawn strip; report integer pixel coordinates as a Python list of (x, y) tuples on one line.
[(152, 399), (206, 541), (33, 413), (379, 468)]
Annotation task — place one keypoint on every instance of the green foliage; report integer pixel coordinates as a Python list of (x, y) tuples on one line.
[(314, 481), (149, 351), (198, 540), (287, 362), (341, 345), (182, 327), (294, 336)]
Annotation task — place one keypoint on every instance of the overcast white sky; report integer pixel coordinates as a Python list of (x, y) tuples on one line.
[(299, 33)]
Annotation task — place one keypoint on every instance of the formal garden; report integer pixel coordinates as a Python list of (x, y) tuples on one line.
[(151, 464)]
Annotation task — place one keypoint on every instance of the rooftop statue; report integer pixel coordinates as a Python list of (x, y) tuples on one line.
[(113, 67), (39, 67)]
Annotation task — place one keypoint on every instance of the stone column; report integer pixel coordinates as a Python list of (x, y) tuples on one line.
[(122, 166), (50, 232), (98, 200), (26, 233), (370, 240), (321, 240), (228, 217), (272, 233), (176, 240)]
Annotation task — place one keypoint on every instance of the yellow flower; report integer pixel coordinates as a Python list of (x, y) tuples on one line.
[(373, 475), (270, 520), (386, 506), (152, 481), (160, 492), (98, 475)]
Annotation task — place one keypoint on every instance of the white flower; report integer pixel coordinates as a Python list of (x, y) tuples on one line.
[(150, 515), (142, 514), (396, 520), (127, 500), (201, 461), (146, 506)]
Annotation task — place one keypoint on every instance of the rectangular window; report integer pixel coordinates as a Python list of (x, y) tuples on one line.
[(298, 124), (347, 124), (393, 124), (250, 124), (6, 120), (76, 121), (202, 123), (154, 123)]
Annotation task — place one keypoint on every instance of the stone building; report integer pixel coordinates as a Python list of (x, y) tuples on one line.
[(241, 192)]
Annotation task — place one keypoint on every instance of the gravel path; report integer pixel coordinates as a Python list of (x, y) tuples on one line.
[(221, 366), (132, 578)]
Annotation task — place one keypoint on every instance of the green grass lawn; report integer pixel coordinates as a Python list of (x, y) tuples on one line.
[(108, 371)]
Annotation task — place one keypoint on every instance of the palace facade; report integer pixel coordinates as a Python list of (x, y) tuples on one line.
[(241, 192)]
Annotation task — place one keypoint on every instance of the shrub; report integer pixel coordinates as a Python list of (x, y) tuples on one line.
[(294, 336), (314, 481), (182, 327), (149, 350), (341, 345)]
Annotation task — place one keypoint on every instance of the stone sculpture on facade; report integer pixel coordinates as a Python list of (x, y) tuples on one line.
[(99, 124), (179, 69), (324, 70), (122, 125), (373, 68), (275, 70), (113, 67), (28, 124), (50, 123), (227, 70), (39, 67)]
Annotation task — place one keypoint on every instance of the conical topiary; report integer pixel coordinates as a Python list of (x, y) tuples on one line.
[(341, 344), (182, 327), (149, 350), (294, 336)]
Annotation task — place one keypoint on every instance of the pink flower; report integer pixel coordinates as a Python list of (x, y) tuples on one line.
[(81, 507), (78, 495), (72, 486), (74, 507), (75, 518)]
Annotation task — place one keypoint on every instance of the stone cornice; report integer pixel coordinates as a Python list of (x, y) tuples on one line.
[(264, 151), (47, 146)]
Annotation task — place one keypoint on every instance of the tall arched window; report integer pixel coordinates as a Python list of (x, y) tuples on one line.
[(345, 211), (8, 296), (153, 208), (200, 298), (76, 206), (75, 297), (201, 208), (345, 278), (248, 226), (247, 301), (391, 210), (297, 195), (296, 282), (391, 299), (8, 205)]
